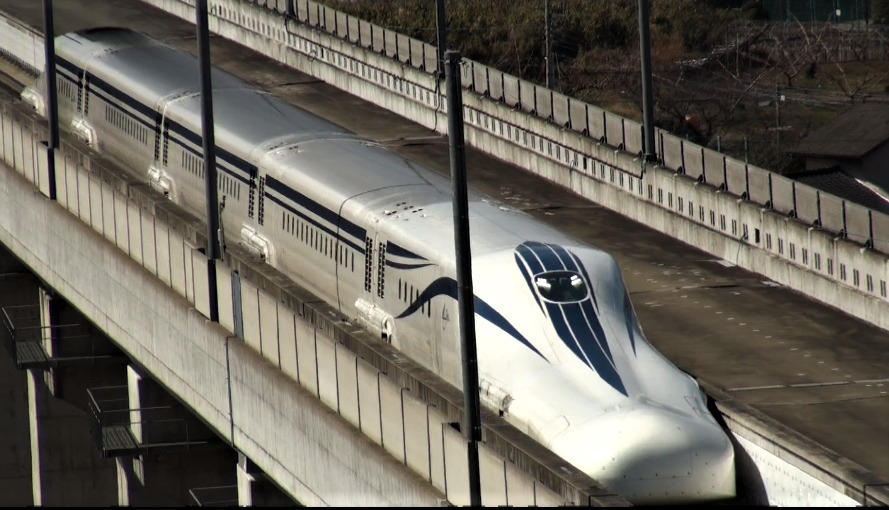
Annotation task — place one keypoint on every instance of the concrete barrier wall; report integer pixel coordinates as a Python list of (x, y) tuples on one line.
[(243, 397), (387, 413), (299, 442), (560, 139), (22, 45), (800, 472)]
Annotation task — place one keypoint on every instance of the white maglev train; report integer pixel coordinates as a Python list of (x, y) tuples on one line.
[(560, 352)]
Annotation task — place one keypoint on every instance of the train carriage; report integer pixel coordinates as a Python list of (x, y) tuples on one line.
[(561, 354)]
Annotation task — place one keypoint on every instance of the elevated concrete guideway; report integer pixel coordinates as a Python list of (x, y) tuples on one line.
[(345, 434), (333, 417), (751, 342)]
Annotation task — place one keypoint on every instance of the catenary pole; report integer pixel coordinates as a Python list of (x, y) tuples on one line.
[(465, 296), (442, 28), (647, 95), (52, 108), (213, 248), (548, 34)]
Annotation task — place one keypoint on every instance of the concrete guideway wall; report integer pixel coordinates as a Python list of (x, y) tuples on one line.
[(797, 473), (222, 379), (839, 248), (159, 317), (21, 45)]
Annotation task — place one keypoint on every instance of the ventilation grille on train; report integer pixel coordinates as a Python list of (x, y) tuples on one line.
[(404, 208)]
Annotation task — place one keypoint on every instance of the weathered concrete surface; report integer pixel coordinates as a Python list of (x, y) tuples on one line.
[(17, 287), (190, 356)]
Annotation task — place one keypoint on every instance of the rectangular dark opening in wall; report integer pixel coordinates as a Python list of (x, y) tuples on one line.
[(756, 235)]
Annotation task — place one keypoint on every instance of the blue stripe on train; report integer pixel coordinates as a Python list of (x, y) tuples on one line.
[(576, 324), (398, 251), (446, 286), (107, 91), (324, 213), (329, 231), (521, 262)]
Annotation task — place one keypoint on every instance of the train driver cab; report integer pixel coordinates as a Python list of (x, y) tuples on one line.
[(561, 286)]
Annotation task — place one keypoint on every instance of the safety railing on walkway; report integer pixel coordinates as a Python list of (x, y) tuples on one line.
[(121, 430), (32, 345)]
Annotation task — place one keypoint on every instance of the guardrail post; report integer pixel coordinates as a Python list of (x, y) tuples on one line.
[(604, 136), (724, 173), (703, 176), (870, 228), (661, 158), (569, 124), (818, 206), (472, 86), (487, 81), (682, 154), (771, 202)]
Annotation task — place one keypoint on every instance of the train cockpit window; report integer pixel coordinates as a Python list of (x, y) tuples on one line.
[(561, 286)]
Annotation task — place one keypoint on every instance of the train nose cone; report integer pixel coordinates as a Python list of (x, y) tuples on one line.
[(653, 455)]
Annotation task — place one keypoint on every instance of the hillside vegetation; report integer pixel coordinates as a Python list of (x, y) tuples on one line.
[(724, 77)]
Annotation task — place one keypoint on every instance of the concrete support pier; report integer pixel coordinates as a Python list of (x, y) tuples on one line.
[(177, 452), (254, 489), (66, 468), (18, 287)]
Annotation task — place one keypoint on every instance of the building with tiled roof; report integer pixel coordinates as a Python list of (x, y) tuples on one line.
[(849, 157), (835, 181)]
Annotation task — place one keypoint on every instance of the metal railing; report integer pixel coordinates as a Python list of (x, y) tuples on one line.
[(225, 495), (26, 341), (119, 429), (870, 500)]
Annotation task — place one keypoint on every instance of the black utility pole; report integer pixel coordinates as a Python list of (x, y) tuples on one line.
[(647, 95), (778, 117), (442, 26), (548, 59), (465, 296), (51, 106), (213, 249)]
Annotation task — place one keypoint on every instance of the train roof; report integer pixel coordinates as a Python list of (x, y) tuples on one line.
[(146, 66), (278, 137)]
